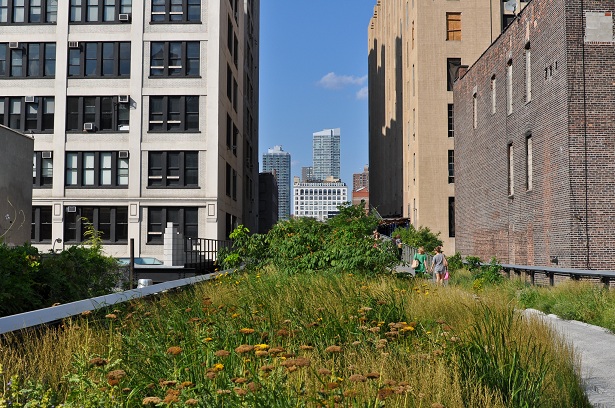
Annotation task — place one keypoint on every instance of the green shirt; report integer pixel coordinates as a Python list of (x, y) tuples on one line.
[(421, 258)]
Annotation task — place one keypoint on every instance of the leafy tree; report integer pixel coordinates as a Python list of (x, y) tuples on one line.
[(419, 237)]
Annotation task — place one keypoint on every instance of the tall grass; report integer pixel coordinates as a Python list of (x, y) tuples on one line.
[(309, 340)]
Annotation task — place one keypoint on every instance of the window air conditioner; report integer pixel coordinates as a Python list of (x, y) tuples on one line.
[(47, 155), (124, 17), (30, 99), (71, 209), (123, 98), (123, 154), (14, 45), (73, 44), (88, 126)]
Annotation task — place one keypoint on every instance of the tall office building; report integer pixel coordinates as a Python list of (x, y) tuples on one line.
[(415, 49), (143, 113), (278, 160), (319, 200), (326, 154)]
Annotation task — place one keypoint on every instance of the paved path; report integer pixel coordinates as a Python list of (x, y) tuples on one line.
[(596, 348)]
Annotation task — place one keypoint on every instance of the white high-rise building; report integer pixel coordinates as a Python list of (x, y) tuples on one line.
[(318, 200), (326, 154), (143, 112), (278, 161)]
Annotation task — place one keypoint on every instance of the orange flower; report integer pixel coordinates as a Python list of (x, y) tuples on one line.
[(222, 353), (333, 349), (151, 400), (246, 331), (97, 361), (244, 348), (174, 350), (357, 378), (111, 316), (372, 375), (191, 401)]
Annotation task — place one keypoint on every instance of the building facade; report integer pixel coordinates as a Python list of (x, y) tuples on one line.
[(146, 110), (326, 154), (15, 188), (415, 49), (268, 202), (318, 200), (535, 140), (278, 161)]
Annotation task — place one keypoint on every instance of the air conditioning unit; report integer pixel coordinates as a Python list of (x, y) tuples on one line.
[(123, 154), (88, 126), (71, 209), (124, 17), (30, 99), (123, 98), (73, 44), (46, 155), (14, 44)]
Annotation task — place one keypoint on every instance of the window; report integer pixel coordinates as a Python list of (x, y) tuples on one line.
[(452, 66), (451, 217), (104, 113), (529, 175), (96, 169), (231, 182), (173, 113), (451, 120), (111, 222), (42, 169), (41, 224), (509, 87), (28, 11), (28, 117), (185, 219), (453, 26), (30, 60), (493, 94), (176, 11), (528, 73), (511, 171), (173, 169), (98, 11), (174, 58), (105, 59), (451, 166)]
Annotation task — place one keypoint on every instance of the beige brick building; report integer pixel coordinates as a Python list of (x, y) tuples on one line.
[(415, 48)]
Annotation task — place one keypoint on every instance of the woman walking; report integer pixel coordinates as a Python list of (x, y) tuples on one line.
[(438, 265), (420, 259)]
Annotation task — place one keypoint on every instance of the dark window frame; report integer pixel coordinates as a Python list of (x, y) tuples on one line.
[(78, 117), (177, 215), (451, 120), (451, 217), (452, 72), (118, 224), (46, 12), (120, 7), (451, 166), (39, 178), (163, 172), (42, 220), (166, 69), (116, 170), (166, 12), (45, 50), (99, 60), (160, 122), (42, 118)]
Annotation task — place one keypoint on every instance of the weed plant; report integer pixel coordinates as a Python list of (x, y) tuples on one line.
[(272, 339)]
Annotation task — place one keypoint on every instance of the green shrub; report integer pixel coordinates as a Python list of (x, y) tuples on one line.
[(422, 236)]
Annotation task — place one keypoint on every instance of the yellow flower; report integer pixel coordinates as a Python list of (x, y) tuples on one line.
[(235, 315), (261, 347), (218, 367), (207, 339), (245, 330)]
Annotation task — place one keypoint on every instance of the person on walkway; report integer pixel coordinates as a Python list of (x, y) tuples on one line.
[(399, 245), (420, 257), (438, 265), (376, 238)]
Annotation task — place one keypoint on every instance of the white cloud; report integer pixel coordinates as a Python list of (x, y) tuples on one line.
[(362, 93), (334, 81)]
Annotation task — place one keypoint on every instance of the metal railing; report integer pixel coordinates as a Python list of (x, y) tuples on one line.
[(202, 253), (549, 276)]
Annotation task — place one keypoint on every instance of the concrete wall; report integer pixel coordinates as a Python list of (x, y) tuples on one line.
[(567, 210), (15, 187)]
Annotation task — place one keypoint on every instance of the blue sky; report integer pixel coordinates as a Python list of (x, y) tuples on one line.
[(313, 76)]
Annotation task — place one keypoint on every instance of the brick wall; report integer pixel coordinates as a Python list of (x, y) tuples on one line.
[(551, 219)]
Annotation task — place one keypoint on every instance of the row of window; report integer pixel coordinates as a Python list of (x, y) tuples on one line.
[(98, 59), (110, 169), (99, 113), (529, 167), (112, 223), (97, 11)]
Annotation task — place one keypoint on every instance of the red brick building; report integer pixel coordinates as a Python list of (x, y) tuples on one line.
[(535, 140)]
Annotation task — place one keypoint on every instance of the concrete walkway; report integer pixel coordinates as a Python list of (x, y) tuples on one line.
[(596, 348)]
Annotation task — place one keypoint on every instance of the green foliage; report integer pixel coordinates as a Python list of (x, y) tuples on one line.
[(489, 274), (474, 263), (455, 262), (18, 393), (492, 357), (419, 237), (29, 280)]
